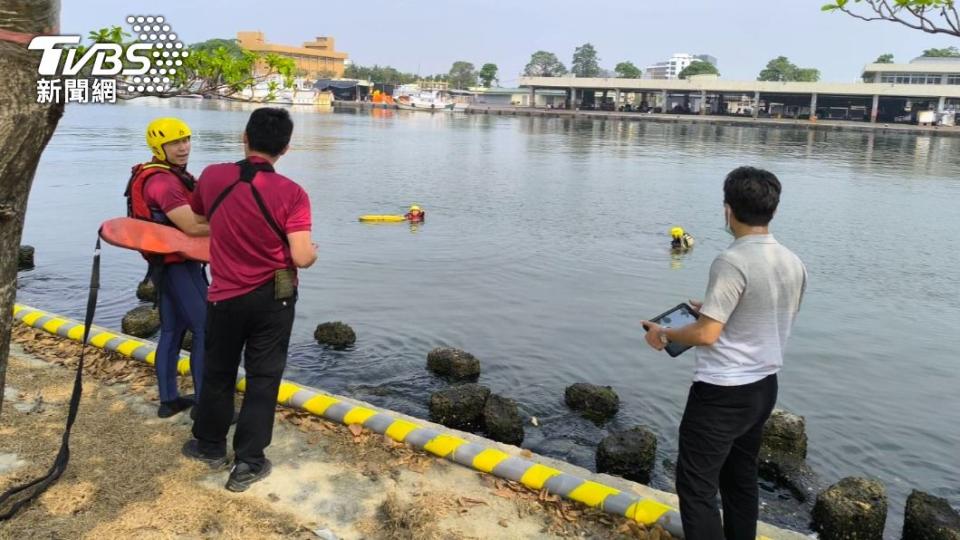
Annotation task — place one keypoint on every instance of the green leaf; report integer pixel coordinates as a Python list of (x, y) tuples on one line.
[(829, 7)]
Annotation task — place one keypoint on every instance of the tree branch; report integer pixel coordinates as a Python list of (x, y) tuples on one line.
[(955, 22), (885, 12), (207, 88)]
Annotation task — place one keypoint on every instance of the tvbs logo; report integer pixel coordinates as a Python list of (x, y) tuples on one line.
[(145, 66)]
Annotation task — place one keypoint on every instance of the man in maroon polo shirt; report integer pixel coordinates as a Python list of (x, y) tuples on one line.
[(259, 235)]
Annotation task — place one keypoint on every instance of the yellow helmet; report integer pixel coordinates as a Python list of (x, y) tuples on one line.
[(164, 130), (676, 232), (415, 208)]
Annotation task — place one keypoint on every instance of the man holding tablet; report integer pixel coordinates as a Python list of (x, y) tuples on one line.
[(753, 296)]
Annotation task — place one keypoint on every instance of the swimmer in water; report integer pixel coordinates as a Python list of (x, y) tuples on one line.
[(680, 239), (415, 214)]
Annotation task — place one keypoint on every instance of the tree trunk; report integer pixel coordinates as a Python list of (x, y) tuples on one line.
[(25, 129)]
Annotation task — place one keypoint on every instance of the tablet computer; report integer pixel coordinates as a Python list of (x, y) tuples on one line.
[(676, 317)]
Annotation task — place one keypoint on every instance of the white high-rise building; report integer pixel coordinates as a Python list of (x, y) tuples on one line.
[(670, 69)]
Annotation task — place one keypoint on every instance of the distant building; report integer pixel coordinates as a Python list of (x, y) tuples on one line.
[(519, 97), (922, 70), (315, 59), (670, 69)]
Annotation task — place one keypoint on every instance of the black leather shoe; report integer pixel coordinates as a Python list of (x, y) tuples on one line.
[(242, 475), (170, 408), (191, 449)]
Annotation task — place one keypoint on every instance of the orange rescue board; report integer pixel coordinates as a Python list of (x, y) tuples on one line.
[(154, 239)]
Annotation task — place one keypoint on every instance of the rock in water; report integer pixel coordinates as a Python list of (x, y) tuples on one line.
[(141, 321), (930, 518), (335, 334), (147, 291), (460, 407), (795, 476), (597, 402), (630, 454), (851, 509), (785, 434), (187, 343), (453, 363), (783, 452), (25, 258), (502, 421)]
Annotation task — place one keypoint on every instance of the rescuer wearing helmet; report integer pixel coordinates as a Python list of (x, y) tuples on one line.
[(159, 191), (415, 214), (680, 239)]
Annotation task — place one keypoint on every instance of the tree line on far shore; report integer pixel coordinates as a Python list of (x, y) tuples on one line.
[(586, 63), (222, 67), (462, 75)]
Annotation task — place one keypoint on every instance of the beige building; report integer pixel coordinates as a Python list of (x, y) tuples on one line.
[(922, 70), (315, 59), (896, 97)]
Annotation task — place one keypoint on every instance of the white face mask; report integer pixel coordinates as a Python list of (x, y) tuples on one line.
[(726, 222)]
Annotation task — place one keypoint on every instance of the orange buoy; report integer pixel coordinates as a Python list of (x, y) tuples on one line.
[(154, 239)]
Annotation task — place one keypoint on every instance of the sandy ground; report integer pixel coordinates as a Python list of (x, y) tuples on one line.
[(126, 477)]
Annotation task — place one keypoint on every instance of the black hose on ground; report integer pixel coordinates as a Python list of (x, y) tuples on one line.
[(15, 498)]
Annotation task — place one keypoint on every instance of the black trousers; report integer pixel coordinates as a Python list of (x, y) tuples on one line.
[(258, 326), (719, 442)]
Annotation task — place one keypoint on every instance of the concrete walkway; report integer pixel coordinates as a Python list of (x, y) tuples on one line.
[(823, 125), (328, 480), (694, 119)]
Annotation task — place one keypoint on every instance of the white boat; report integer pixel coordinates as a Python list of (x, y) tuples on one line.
[(414, 99), (300, 94)]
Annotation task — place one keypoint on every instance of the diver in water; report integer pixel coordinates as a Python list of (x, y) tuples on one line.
[(680, 239), (415, 215)]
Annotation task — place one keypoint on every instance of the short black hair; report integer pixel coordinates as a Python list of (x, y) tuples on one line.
[(753, 195), (269, 130)]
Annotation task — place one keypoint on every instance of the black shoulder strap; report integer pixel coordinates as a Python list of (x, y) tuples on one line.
[(248, 171)]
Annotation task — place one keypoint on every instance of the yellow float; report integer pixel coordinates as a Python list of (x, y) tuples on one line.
[(382, 218)]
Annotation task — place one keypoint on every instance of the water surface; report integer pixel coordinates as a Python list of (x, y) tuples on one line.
[(547, 240)]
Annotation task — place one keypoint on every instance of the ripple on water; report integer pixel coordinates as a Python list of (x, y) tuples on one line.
[(545, 245)]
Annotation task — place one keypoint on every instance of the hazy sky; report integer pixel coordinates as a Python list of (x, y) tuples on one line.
[(431, 35)]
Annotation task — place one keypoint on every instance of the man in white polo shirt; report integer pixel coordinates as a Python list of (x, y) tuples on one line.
[(753, 296)]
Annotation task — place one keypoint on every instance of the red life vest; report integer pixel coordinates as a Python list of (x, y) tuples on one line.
[(137, 206)]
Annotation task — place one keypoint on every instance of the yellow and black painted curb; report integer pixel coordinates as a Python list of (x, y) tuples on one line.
[(447, 445)]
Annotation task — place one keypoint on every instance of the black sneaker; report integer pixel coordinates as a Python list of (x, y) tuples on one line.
[(170, 408), (242, 475), (191, 449)]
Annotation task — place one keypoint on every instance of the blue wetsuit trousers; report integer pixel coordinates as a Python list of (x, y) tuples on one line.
[(183, 306)]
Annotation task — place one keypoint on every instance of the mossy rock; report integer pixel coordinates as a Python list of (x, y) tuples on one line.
[(783, 453), (25, 258), (187, 343), (335, 334), (930, 518), (785, 434), (453, 363), (796, 476), (141, 321), (851, 509), (596, 402), (460, 407), (502, 421), (147, 291), (631, 454)]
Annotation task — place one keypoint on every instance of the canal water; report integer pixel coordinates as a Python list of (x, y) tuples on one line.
[(546, 241)]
